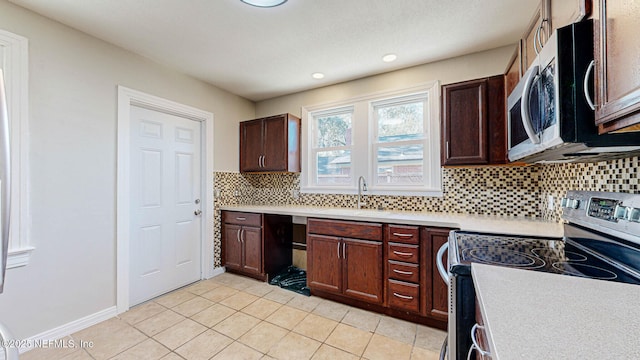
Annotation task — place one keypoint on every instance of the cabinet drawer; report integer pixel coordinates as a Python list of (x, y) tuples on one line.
[(403, 252), (241, 218), (404, 296), (403, 271), (345, 229), (403, 234)]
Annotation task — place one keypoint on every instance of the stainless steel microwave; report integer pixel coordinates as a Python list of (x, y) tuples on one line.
[(550, 111)]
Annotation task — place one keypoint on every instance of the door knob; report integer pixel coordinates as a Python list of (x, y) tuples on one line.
[(197, 212)]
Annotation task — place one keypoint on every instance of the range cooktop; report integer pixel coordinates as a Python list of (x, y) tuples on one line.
[(559, 256)]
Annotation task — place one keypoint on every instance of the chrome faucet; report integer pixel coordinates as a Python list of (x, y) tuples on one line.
[(362, 186)]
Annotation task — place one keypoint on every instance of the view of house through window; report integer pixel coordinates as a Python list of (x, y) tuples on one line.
[(390, 139), (399, 145), (333, 147)]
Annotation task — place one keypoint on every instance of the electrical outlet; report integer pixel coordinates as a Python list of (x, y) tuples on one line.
[(295, 194), (550, 202)]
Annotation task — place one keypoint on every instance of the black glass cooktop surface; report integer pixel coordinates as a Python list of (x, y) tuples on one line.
[(559, 256)]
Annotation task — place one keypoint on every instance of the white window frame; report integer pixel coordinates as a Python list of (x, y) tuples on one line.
[(314, 149), (363, 156), (15, 63), (375, 144)]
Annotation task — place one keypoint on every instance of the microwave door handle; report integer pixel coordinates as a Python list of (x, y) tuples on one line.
[(585, 85), (524, 106)]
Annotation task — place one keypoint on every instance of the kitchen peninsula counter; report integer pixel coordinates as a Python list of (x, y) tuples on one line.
[(478, 223), (535, 315)]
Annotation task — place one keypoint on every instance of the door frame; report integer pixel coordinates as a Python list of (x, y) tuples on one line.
[(127, 98)]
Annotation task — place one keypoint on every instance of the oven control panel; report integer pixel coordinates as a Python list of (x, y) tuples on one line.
[(605, 209), (608, 212)]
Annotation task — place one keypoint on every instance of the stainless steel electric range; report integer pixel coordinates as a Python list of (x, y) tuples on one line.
[(601, 241)]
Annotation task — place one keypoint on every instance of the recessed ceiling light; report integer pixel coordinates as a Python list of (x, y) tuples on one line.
[(264, 3), (389, 57), (317, 75)]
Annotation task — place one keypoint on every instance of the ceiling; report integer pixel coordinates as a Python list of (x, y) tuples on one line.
[(261, 53)]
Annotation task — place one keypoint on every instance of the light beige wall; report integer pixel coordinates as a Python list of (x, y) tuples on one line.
[(72, 104), (473, 66)]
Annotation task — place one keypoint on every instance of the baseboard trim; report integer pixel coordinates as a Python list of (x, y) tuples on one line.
[(218, 271), (69, 328)]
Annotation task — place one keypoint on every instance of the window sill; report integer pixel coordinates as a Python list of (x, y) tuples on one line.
[(19, 257)]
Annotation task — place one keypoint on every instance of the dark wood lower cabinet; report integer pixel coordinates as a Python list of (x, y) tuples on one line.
[(385, 268), (252, 242), (345, 266), (363, 270), (324, 265), (436, 291), (233, 249), (256, 245)]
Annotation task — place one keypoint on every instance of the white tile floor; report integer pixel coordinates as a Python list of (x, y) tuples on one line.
[(233, 317)]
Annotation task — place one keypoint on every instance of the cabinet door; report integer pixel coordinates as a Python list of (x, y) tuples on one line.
[(251, 145), (324, 263), (252, 243), (537, 33), (232, 247), (496, 116), (465, 132), (565, 12), (363, 277), (437, 305), (617, 56), (514, 71), (275, 144)]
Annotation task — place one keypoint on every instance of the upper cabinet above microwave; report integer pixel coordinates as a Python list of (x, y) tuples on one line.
[(548, 16), (617, 65), (537, 33), (270, 144)]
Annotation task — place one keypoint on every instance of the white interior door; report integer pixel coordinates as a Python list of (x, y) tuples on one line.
[(165, 245)]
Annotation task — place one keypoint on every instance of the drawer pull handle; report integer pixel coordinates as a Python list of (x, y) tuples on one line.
[(241, 218), (402, 253), (402, 235), (402, 272), (405, 297)]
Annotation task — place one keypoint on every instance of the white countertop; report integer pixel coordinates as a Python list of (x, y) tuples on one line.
[(534, 315), (479, 223)]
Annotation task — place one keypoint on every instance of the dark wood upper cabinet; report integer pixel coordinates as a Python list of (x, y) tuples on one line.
[(270, 144), (474, 123), (617, 65)]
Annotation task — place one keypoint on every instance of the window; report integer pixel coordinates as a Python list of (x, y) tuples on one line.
[(399, 142), (391, 139), (332, 147), (14, 62)]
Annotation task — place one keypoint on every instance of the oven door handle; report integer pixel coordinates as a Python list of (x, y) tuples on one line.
[(441, 269), (524, 106), (444, 350)]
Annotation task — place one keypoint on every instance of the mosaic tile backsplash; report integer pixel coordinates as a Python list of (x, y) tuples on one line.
[(520, 191)]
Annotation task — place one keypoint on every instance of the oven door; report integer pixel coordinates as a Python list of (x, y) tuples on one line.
[(461, 301)]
